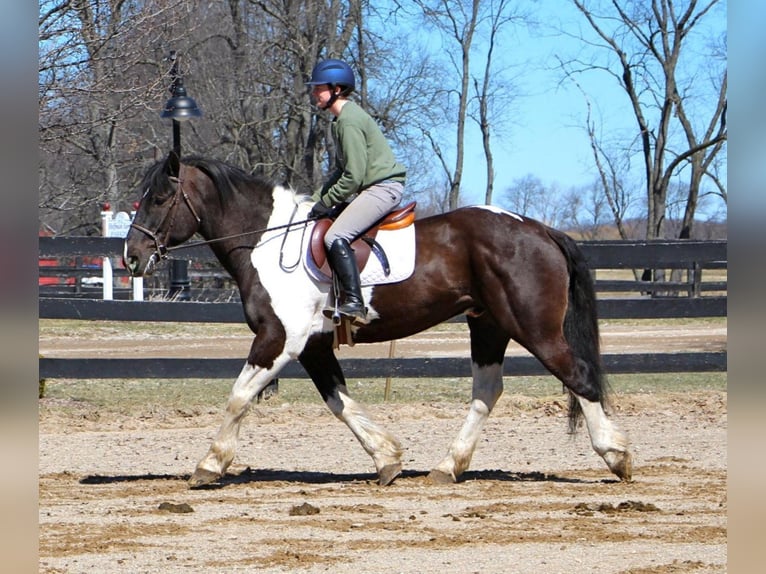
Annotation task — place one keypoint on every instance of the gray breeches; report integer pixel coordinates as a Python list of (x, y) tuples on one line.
[(367, 208)]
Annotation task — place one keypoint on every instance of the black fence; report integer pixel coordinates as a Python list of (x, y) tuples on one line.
[(685, 293)]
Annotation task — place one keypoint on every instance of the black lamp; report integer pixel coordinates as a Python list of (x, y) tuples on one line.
[(179, 108)]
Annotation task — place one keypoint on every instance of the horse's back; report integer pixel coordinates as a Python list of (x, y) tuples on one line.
[(492, 233)]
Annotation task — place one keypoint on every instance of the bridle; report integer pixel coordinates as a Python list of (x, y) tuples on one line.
[(160, 249)]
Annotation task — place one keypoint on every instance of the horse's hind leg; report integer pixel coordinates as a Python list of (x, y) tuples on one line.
[(488, 346), (608, 441), (586, 383), (321, 364)]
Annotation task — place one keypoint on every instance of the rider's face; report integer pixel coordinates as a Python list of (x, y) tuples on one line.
[(321, 94)]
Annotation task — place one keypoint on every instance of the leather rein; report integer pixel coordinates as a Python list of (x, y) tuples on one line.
[(162, 251)]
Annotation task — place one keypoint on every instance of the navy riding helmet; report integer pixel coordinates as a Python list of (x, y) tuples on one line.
[(334, 73)]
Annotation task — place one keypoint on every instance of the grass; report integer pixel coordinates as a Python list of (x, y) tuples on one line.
[(136, 395), (93, 330)]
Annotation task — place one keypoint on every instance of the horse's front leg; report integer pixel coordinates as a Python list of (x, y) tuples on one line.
[(322, 366), (251, 380)]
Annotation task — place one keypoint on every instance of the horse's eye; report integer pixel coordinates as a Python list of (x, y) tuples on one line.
[(160, 196)]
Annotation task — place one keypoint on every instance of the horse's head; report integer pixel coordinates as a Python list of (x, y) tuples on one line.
[(165, 217)]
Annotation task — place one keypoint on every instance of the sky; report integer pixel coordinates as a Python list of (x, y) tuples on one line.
[(547, 138)]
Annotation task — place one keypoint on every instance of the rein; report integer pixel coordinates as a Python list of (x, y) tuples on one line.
[(163, 251), (244, 234)]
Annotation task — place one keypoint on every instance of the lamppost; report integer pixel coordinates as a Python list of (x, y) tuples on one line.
[(179, 108)]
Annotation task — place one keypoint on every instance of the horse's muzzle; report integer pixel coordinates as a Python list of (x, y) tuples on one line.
[(133, 263)]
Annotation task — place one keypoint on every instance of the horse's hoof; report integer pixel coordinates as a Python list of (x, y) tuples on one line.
[(441, 477), (203, 477), (388, 473), (622, 466)]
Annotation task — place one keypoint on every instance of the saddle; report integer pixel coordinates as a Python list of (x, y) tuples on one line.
[(365, 244)]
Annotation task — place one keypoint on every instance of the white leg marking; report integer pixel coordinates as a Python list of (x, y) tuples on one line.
[(382, 446), (249, 383), (487, 388), (607, 440)]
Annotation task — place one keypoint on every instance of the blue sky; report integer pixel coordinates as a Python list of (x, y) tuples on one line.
[(547, 138)]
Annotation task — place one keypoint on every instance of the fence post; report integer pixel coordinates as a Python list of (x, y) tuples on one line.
[(696, 273), (180, 284), (137, 283), (391, 354), (106, 262)]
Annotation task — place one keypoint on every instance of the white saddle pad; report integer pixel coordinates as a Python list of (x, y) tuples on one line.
[(399, 247)]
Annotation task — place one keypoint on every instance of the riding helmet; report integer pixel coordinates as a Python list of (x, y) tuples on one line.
[(334, 73)]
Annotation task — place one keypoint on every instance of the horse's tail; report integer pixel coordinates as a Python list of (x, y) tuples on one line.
[(581, 324)]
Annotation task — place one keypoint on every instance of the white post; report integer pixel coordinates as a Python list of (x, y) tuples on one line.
[(138, 288), (107, 277), (137, 282), (106, 263)]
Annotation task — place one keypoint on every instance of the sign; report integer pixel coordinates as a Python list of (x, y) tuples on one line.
[(119, 225)]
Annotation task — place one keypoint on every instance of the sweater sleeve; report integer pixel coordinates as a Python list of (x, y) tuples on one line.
[(320, 193)]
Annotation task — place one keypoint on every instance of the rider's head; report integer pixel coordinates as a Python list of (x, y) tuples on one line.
[(335, 74)]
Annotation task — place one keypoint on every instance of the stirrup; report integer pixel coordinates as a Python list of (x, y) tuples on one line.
[(357, 315), (336, 314), (332, 313)]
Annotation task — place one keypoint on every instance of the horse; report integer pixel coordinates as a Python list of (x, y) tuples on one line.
[(511, 276)]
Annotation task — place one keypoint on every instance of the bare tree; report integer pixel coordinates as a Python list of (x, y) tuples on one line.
[(491, 91), (99, 71), (529, 196), (585, 212), (253, 62), (457, 22), (611, 169), (104, 78), (472, 86), (650, 44)]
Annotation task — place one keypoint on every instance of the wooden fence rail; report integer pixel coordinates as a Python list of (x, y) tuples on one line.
[(691, 256)]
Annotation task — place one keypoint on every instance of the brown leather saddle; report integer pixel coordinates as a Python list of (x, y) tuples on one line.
[(363, 246)]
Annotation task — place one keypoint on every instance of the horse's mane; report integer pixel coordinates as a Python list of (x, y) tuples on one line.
[(229, 179)]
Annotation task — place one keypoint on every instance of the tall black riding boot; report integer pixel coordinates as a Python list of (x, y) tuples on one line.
[(343, 264)]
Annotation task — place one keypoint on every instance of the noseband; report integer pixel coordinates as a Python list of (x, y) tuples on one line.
[(160, 249)]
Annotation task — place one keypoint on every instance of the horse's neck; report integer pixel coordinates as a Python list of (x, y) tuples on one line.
[(285, 205), (242, 227)]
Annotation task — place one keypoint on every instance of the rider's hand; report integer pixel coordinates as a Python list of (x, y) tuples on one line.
[(320, 210)]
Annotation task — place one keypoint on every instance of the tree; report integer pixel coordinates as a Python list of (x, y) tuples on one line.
[(679, 128), (252, 63), (98, 73), (612, 167), (465, 93), (490, 90), (584, 212), (529, 196), (104, 77)]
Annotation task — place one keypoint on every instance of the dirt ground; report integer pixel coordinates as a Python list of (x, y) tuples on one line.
[(301, 495)]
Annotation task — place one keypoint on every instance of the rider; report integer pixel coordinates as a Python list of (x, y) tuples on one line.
[(367, 182)]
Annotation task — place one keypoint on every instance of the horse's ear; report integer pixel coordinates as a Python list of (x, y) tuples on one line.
[(173, 164)]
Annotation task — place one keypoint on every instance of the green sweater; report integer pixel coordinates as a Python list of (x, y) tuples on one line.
[(363, 157)]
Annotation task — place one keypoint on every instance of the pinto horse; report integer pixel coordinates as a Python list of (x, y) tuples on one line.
[(513, 278)]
